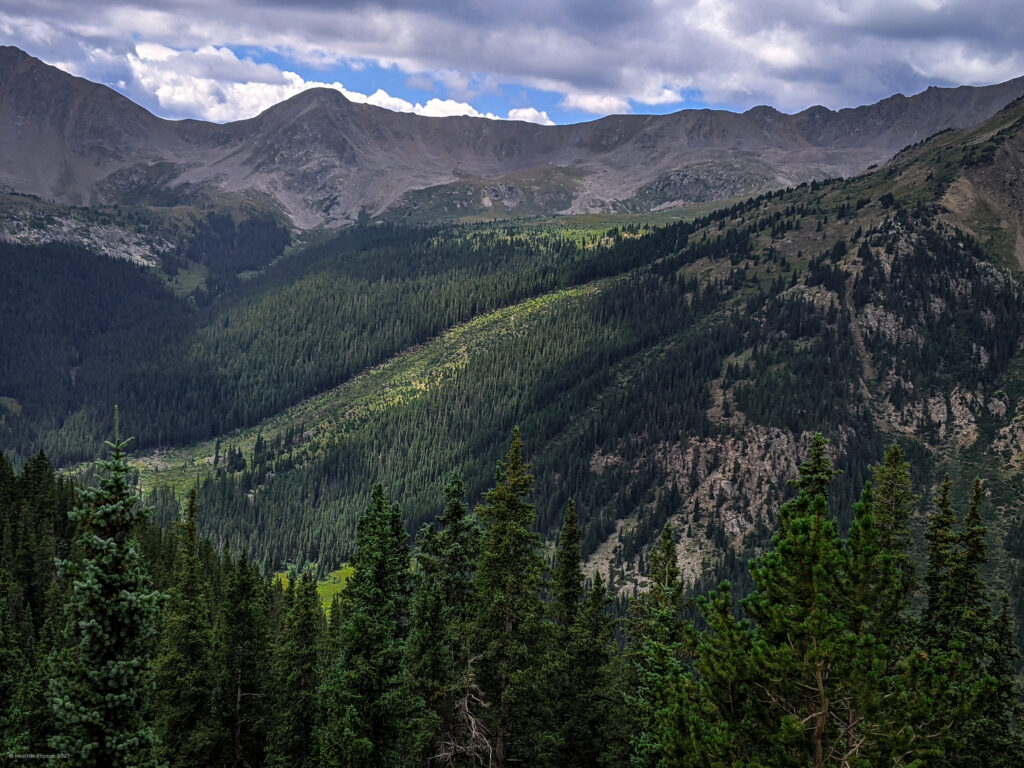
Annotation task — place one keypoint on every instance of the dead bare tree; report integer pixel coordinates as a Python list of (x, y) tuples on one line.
[(466, 739)]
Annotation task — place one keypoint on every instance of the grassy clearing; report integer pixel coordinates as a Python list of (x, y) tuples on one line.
[(326, 589)]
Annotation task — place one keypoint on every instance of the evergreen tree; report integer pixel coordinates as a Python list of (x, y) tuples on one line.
[(968, 641), (183, 666), (437, 653), (367, 715), (508, 630), (589, 719), (872, 596), (801, 646), (660, 651), (1002, 739), (567, 588), (242, 660), (894, 503), (29, 723), (103, 676), (11, 665), (716, 711), (941, 542), (296, 676)]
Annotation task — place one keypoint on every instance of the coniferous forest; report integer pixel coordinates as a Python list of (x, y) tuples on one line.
[(125, 644), (738, 489)]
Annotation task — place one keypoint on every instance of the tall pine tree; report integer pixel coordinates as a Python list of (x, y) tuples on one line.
[(103, 680), (437, 652), (183, 667), (368, 717), (508, 630), (242, 661), (659, 651), (296, 673)]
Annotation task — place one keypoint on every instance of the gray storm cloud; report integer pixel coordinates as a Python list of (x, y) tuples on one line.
[(603, 55)]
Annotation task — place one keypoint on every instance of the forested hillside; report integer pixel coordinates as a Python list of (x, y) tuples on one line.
[(667, 373), (474, 647), (762, 503)]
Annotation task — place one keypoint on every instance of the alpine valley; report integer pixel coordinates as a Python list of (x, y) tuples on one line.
[(290, 310)]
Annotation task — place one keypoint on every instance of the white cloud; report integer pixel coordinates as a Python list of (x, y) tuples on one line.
[(214, 84), (600, 56), (595, 103), (530, 115)]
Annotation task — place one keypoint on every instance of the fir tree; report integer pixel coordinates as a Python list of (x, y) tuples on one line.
[(872, 596), (367, 715), (183, 666), (716, 711), (242, 660), (508, 630), (894, 503), (567, 588), (437, 653), (103, 676), (660, 650), (968, 641), (296, 675), (941, 538), (589, 718), (800, 643), (11, 665)]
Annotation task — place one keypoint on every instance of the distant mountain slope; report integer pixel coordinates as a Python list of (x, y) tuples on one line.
[(321, 159), (657, 374)]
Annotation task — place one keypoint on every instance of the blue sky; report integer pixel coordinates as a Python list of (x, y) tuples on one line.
[(548, 61), (483, 91)]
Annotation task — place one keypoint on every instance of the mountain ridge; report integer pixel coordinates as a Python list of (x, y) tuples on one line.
[(320, 159)]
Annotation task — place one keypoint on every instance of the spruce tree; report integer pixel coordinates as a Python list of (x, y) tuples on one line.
[(11, 666), (660, 650), (103, 673), (872, 596), (800, 644), (894, 503), (367, 715), (968, 641), (508, 631), (941, 544), (588, 722), (183, 666), (567, 587), (437, 653), (242, 663), (716, 717), (295, 672)]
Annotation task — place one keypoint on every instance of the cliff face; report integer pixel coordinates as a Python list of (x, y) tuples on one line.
[(913, 278), (321, 159)]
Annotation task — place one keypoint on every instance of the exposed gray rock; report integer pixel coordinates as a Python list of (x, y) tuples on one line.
[(322, 159)]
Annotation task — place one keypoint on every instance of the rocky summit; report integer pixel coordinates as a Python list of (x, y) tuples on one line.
[(320, 159)]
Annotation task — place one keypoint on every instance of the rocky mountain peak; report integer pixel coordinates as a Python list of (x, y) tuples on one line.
[(321, 158)]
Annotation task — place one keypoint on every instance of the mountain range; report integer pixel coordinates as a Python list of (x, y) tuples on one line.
[(664, 367), (318, 159)]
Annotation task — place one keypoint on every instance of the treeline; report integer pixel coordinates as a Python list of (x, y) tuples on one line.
[(472, 647), (306, 324), (635, 364), (310, 320)]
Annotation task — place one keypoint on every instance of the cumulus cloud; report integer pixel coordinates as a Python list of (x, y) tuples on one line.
[(530, 115), (215, 84), (598, 56), (597, 104)]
